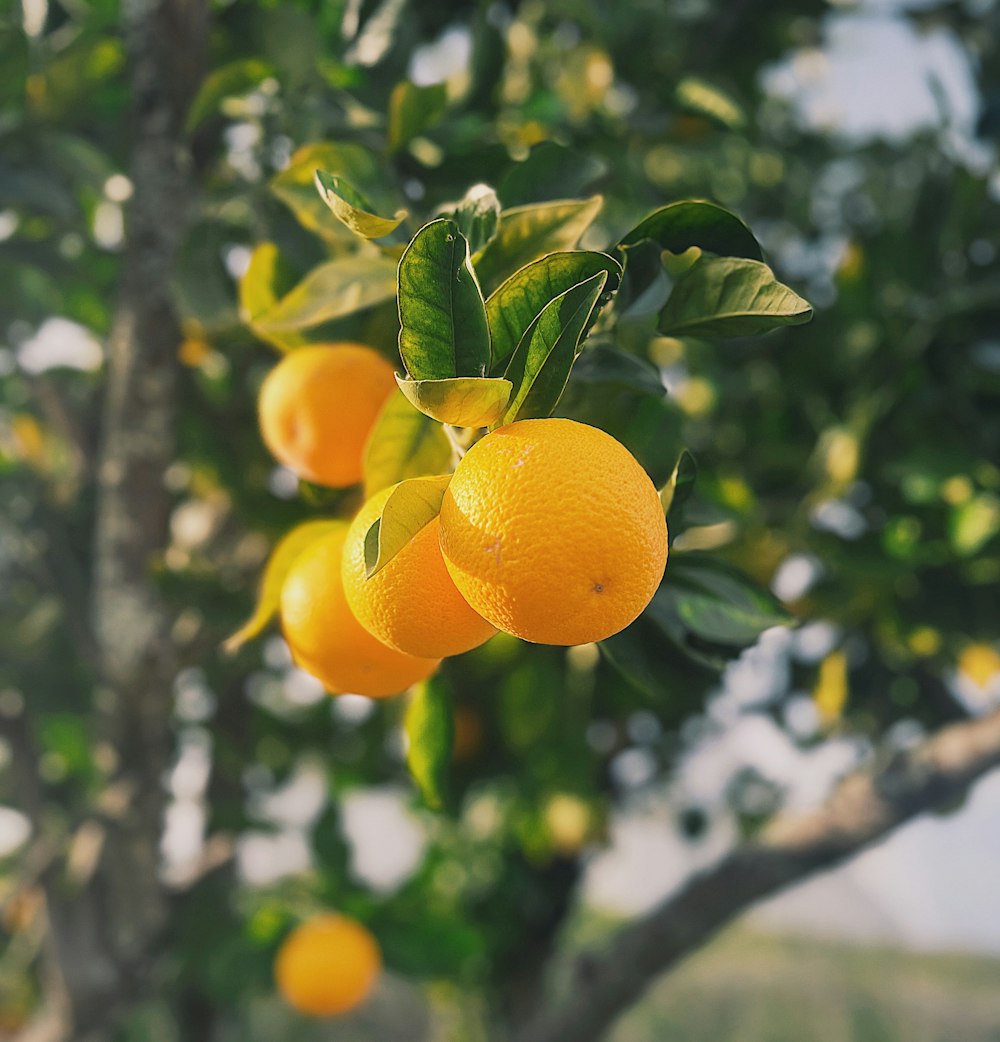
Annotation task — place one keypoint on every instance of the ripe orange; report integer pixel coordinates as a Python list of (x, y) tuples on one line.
[(411, 604), (327, 966), (317, 407), (327, 641), (553, 531)]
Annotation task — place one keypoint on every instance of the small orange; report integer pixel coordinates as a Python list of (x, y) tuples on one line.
[(328, 965), (553, 531), (326, 639), (411, 604), (317, 407)]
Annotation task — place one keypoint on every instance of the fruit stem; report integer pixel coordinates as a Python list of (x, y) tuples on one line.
[(454, 438)]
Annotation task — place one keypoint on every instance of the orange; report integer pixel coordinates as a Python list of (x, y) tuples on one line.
[(411, 604), (327, 641), (328, 965), (553, 531), (317, 407)]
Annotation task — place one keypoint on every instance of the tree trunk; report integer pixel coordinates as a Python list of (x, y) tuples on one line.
[(107, 919)]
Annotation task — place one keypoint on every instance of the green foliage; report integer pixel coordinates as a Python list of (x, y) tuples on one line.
[(348, 205), (405, 443), (413, 504), (430, 734)]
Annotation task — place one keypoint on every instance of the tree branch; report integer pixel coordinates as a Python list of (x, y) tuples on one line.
[(865, 807)]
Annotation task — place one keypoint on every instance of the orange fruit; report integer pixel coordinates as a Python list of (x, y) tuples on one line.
[(328, 965), (317, 407), (553, 532), (326, 639), (411, 604)]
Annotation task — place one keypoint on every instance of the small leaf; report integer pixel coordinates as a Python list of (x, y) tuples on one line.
[(609, 367), (517, 303), (713, 602), (696, 222), (529, 232), (443, 331), (228, 81), (295, 186), (351, 207), (461, 401), (413, 504), (728, 296), (477, 215), (404, 443), (333, 290), (412, 110), (267, 278), (705, 99), (681, 482), (430, 731), (542, 362), (283, 556)]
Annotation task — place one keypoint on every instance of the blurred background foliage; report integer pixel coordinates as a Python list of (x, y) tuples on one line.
[(851, 466)]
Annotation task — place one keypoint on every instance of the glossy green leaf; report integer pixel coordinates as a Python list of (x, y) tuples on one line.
[(462, 401), (526, 233), (705, 99), (516, 304), (477, 215), (680, 485), (404, 443), (228, 81), (333, 290), (283, 556), (430, 733), (413, 504), (540, 366), (352, 208), (696, 222), (713, 602), (443, 331), (295, 186), (412, 110), (728, 296)]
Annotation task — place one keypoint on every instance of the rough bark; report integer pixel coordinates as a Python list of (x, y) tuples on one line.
[(107, 916), (865, 807)]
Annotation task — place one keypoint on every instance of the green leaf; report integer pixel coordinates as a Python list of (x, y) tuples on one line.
[(351, 207), (611, 368), (461, 401), (551, 171), (404, 443), (516, 304), (526, 233), (335, 289), (430, 731), (540, 366), (696, 222), (477, 215), (713, 602), (295, 186), (443, 331), (228, 81), (413, 504), (412, 110), (728, 296), (703, 98), (681, 482), (265, 281), (283, 556)]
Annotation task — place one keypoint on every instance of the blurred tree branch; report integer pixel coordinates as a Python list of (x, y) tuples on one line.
[(865, 807)]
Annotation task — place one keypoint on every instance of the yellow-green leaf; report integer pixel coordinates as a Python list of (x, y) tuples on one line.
[(412, 110), (413, 504), (351, 207), (266, 279), (228, 81), (680, 483), (282, 558), (333, 290), (705, 99), (404, 443), (430, 731), (463, 401), (526, 233)]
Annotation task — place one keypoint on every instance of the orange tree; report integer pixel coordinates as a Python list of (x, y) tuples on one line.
[(530, 238)]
